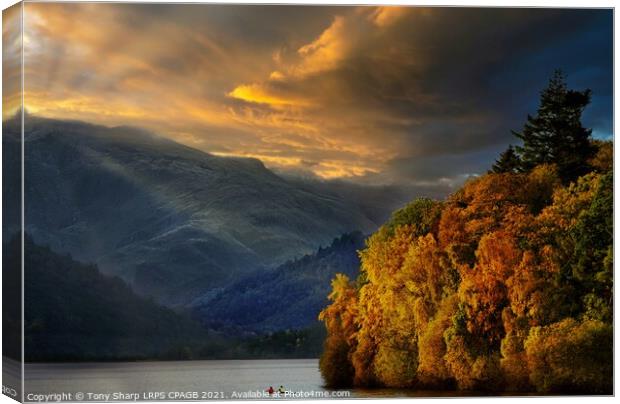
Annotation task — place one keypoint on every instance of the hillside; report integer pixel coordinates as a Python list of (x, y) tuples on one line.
[(287, 297), (73, 312), (172, 221)]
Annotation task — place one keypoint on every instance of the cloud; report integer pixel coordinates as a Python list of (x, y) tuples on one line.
[(372, 94), (387, 15), (11, 60), (256, 93)]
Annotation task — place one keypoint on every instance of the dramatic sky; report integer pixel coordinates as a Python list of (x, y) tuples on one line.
[(374, 95)]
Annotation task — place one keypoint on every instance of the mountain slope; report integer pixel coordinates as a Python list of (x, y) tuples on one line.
[(73, 312), (171, 220), (288, 297)]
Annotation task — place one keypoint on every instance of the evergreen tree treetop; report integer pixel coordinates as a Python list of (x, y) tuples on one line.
[(508, 162), (555, 135)]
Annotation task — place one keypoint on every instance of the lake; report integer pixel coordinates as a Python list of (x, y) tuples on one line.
[(189, 381)]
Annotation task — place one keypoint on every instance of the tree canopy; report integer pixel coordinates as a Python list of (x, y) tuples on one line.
[(506, 285)]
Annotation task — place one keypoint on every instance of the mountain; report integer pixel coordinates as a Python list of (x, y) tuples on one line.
[(375, 201), (173, 221), (73, 312), (287, 297)]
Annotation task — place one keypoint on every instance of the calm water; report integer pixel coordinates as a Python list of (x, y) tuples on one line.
[(207, 378), (188, 380)]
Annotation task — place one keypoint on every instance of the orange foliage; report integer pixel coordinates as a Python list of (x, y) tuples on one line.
[(571, 357), (480, 293), (339, 319), (433, 371), (483, 289)]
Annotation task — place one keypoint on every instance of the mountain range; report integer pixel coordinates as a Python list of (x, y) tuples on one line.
[(75, 313), (244, 250), (173, 221)]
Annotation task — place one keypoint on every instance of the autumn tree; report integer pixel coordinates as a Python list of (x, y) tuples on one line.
[(433, 369), (382, 344), (571, 357), (603, 159), (422, 214), (593, 252), (508, 284), (339, 318)]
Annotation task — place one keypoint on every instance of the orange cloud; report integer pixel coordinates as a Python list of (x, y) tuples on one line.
[(325, 52), (387, 15), (258, 94), (334, 91), (185, 82), (11, 60), (324, 169)]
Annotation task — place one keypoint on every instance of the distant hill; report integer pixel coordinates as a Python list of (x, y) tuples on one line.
[(288, 297), (73, 312), (172, 221)]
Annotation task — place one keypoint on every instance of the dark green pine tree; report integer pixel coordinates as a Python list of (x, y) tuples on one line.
[(508, 162), (555, 135)]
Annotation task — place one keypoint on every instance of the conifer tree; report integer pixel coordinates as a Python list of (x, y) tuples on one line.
[(508, 162), (555, 135)]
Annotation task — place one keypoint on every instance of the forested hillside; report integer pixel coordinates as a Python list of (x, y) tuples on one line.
[(287, 297), (505, 286), (75, 313)]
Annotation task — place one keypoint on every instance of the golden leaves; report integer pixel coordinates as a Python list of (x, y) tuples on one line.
[(483, 300)]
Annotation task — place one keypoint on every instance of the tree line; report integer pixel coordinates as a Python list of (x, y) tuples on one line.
[(507, 285)]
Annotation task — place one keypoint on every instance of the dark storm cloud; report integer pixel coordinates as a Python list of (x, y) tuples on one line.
[(447, 168), (387, 94)]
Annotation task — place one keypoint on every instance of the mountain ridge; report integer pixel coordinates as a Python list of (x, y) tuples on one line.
[(287, 297), (171, 220)]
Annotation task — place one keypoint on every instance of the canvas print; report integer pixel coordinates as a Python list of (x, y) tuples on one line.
[(219, 202)]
